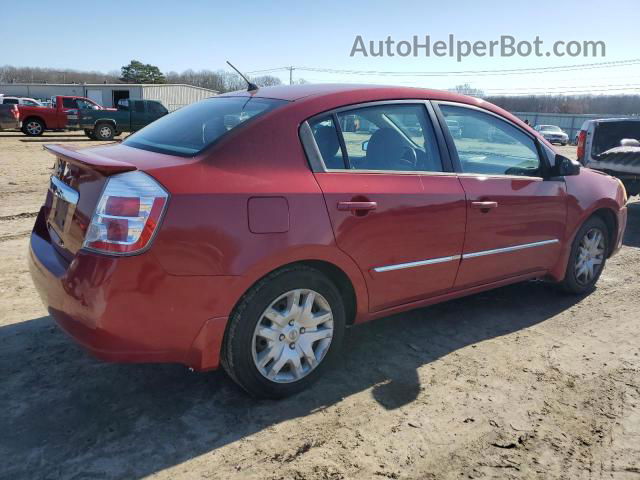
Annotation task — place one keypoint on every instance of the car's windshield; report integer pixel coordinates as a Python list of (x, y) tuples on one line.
[(550, 128), (189, 130)]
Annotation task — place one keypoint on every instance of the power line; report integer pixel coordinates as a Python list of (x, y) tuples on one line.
[(575, 87), (514, 71), (567, 92), (268, 70)]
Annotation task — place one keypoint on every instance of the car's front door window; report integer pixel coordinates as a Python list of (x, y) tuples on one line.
[(490, 146)]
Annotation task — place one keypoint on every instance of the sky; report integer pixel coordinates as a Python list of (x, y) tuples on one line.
[(198, 34)]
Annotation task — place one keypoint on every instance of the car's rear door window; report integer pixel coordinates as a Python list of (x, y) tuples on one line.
[(191, 129), (328, 142), (490, 146), (388, 137)]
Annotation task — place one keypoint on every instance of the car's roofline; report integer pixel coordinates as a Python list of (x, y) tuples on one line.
[(621, 119), (295, 93)]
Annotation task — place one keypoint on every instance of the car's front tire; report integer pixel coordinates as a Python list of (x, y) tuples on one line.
[(284, 333), (587, 258)]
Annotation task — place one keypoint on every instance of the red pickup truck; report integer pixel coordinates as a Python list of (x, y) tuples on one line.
[(35, 120)]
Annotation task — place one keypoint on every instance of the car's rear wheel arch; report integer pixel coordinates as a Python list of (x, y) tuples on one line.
[(35, 117), (340, 280), (334, 273)]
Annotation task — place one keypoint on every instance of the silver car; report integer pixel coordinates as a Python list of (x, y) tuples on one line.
[(553, 134)]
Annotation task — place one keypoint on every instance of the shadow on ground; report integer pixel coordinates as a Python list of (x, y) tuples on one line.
[(49, 134), (67, 415), (56, 140)]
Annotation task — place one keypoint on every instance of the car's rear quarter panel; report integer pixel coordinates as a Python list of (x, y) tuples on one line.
[(206, 228)]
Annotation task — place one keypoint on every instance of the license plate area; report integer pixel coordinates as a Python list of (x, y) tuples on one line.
[(64, 200)]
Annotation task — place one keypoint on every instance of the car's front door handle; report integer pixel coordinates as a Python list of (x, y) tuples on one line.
[(351, 206), (484, 206)]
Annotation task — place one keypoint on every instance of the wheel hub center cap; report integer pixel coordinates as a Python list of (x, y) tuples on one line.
[(293, 335)]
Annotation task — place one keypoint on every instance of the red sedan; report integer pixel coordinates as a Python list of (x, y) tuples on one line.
[(252, 228)]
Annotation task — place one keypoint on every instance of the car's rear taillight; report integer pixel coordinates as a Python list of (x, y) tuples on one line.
[(15, 112), (582, 137), (127, 215)]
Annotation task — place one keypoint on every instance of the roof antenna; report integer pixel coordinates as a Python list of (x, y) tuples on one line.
[(250, 85)]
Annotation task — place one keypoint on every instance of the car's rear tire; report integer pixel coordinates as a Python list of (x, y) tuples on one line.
[(104, 131), (284, 333), (587, 258), (33, 127)]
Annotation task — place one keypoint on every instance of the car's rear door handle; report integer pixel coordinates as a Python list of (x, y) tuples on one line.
[(484, 205), (350, 206)]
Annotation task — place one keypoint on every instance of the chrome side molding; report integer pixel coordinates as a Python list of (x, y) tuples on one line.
[(419, 263), (453, 258), (509, 249)]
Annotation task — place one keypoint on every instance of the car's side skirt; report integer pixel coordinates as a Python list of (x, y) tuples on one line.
[(449, 296)]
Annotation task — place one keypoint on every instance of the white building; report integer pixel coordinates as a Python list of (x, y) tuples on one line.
[(172, 96)]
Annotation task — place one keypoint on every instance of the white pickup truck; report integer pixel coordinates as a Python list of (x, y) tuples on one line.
[(30, 102), (612, 145)]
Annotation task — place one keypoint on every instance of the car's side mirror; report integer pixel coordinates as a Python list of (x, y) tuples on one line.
[(365, 145), (564, 167)]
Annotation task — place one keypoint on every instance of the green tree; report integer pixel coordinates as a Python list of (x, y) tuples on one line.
[(138, 72)]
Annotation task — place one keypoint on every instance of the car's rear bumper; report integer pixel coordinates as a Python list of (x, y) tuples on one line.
[(10, 125), (128, 309)]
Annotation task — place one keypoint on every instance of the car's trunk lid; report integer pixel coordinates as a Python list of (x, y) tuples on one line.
[(74, 190)]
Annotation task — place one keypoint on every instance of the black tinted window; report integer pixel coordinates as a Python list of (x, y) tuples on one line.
[(191, 129), (69, 103), (11, 101)]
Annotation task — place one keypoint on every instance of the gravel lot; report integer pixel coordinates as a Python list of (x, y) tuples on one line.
[(520, 382)]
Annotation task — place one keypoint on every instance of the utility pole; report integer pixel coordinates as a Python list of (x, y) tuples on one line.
[(290, 75)]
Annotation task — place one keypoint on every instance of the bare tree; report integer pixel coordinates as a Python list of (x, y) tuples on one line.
[(10, 74), (467, 89)]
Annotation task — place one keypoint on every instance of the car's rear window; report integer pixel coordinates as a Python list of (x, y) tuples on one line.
[(191, 129)]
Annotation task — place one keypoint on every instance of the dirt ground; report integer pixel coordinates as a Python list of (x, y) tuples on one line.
[(520, 382)]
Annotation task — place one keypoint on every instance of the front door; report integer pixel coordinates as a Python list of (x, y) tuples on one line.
[(393, 207), (515, 217)]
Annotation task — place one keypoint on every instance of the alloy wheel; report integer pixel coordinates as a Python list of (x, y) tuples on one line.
[(105, 132), (34, 128), (292, 336), (590, 256)]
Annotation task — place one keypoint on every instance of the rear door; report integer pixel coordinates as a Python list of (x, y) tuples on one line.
[(395, 205), (64, 118), (515, 217)]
